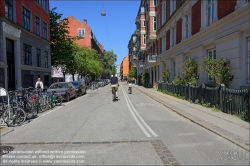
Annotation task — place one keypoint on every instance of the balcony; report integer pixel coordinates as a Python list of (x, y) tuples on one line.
[(150, 38), (137, 20), (138, 32), (151, 58)]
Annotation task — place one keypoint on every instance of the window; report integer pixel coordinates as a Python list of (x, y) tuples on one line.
[(154, 23), (37, 1), (27, 55), (163, 13), (26, 18), (210, 12), (173, 36), (46, 62), (45, 30), (38, 54), (163, 43), (81, 33), (158, 48), (187, 26), (37, 22), (9, 9), (174, 68), (144, 24), (248, 60), (211, 54), (144, 39), (44, 4), (158, 21), (158, 70), (154, 2), (172, 6)]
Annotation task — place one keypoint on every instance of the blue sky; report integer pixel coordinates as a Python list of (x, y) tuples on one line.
[(114, 30)]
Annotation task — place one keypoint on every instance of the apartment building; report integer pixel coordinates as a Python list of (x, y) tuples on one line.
[(87, 38), (24, 43), (125, 68), (181, 29)]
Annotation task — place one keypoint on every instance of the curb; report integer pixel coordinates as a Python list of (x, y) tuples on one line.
[(201, 123), (5, 131)]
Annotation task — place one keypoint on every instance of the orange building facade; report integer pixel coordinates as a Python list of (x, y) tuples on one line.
[(81, 29), (125, 68)]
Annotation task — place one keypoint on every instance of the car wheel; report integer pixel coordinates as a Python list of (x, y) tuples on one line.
[(68, 98)]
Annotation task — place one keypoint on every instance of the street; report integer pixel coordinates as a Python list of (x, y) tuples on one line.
[(135, 130)]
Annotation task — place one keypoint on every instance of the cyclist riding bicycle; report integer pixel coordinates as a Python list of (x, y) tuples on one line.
[(129, 82), (114, 83)]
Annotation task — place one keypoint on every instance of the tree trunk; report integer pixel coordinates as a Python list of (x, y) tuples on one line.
[(73, 77)]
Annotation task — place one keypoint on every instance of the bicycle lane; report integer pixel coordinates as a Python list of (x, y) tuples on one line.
[(183, 137)]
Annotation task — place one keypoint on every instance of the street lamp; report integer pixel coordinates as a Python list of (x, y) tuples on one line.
[(103, 13)]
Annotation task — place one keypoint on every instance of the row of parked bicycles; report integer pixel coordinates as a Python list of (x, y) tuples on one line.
[(97, 84), (24, 104)]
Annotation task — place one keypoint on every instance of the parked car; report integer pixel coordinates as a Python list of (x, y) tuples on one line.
[(80, 86), (65, 89)]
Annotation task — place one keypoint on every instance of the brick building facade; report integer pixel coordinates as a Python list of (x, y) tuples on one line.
[(198, 29), (24, 43), (87, 38)]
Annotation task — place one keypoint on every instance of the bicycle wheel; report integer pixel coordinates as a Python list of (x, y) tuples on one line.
[(14, 116), (59, 100), (29, 109), (43, 104)]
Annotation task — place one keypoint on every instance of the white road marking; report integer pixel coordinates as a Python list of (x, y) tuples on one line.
[(137, 121), (133, 108)]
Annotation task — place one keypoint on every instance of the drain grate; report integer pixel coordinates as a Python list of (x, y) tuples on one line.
[(5, 150)]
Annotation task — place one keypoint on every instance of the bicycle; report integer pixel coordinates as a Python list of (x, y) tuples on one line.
[(114, 92), (13, 115), (130, 88)]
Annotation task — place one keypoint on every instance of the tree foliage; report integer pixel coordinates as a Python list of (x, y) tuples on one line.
[(132, 73), (61, 42), (219, 69), (165, 75), (109, 60), (189, 71)]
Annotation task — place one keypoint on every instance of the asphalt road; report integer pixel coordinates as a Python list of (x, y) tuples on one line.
[(135, 130)]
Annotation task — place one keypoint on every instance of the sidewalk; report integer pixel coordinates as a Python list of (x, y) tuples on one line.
[(225, 125)]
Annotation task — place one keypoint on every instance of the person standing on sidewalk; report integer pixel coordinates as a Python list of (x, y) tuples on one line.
[(39, 84)]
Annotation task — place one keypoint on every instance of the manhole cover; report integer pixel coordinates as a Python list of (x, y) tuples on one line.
[(5, 149)]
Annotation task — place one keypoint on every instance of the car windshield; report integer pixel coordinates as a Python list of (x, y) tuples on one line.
[(58, 86), (75, 83)]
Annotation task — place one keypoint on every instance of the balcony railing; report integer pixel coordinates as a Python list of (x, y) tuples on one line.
[(151, 58)]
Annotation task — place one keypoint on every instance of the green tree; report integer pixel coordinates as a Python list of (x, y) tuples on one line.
[(165, 75), (132, 73), (109, 60), (145, 78), (219, 69), (190, 70), (113, 70), (61, 43)]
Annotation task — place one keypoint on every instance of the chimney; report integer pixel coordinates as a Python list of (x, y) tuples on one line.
[(85, 20)]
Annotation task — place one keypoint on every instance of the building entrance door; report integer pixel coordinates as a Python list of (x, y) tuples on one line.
[(11, 64)]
